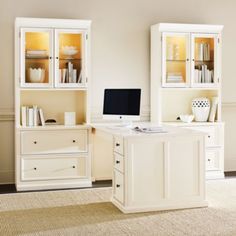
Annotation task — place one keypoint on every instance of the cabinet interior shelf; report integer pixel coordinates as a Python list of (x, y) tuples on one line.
[(37, 58)]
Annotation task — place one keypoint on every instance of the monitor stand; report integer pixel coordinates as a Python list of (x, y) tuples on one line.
[(128, 124)]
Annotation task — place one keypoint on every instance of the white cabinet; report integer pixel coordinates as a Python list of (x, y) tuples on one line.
[(185, 65), (190, 59), (53, 57), (52, 72), (158, 172)]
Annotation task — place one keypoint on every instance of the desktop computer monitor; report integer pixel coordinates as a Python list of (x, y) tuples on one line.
[(122, 104)]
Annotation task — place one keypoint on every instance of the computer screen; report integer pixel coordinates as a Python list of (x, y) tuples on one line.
[(122, 103)]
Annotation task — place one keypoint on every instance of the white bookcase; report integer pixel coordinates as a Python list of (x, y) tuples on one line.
[(186, 64), (52, 72)]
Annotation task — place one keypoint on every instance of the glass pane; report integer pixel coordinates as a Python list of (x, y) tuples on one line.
[(37, 57), (70, 58), (204, 60), (176, 59)]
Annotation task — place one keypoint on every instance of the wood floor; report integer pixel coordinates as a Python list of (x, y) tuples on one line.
[(10, 188)]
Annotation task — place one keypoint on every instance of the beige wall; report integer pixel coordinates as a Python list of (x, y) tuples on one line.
[(120, 51)]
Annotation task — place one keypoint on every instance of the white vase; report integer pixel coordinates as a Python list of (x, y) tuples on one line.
[(201, 109)]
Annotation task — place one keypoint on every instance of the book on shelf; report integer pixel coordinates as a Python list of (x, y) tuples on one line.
[(69, 74), (214, 104), (23, 116), (174, 78), (31, 116), (203, 52), (203, 75), (41, 117)]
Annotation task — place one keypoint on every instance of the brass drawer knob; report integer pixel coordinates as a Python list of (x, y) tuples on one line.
[(35, 168), (35, 142), (117, 162), (73, 167), (117, 144), (117, 185), (74, 141)]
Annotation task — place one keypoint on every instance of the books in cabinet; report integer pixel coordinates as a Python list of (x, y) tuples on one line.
[(32, 116), (70, 74)]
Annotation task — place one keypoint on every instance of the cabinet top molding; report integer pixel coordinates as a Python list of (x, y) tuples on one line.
[(54, 23), (196, 28)]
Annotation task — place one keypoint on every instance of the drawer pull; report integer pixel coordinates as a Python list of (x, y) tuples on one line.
[(73, 167), (117, 144), (209, 136), (35, 142), (209, 159), (117, 162), (74, 141), (117, 185), (35, 168)]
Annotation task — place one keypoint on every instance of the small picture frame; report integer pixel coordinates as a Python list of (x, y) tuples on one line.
[(69, 118)]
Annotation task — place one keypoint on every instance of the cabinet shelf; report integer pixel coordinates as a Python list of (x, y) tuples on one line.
[(36, 58), (176, 60)]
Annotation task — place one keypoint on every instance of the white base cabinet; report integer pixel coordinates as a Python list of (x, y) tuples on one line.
[(158, 171), (52, 158)]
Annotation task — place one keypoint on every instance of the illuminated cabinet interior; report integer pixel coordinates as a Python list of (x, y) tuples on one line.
[(52, 103), (186, 65)]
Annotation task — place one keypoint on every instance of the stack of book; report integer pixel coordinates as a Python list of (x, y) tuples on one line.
[(203, 75), (203, 52), (69, 75), (32, 116), (174, 78), (36, 53)]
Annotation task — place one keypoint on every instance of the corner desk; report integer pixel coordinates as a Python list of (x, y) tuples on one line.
[(157, 171)]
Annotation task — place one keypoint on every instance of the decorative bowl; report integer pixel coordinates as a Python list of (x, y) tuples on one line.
[(201, 109), (186, 118), (36, 75), (69, 50)]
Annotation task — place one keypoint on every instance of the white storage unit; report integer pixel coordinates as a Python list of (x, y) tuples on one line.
[(186, 64), (52, 74), (159, 171)]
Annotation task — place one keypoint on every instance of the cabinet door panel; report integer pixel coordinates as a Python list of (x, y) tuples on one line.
[(70, 59), (36, 57), (175, 51), (204, 48)]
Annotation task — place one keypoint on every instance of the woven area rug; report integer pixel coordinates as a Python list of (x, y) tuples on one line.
[(89, 212)]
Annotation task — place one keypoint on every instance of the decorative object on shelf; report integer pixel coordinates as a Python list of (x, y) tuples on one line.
[(51, 121), (69, 51), (69, 118), (214, 104), (186, 118), (36, 54), (36, 75), (174, 77), (201, 109)]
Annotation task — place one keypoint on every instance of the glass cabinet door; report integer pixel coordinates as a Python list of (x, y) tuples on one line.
[(70, 58), (36, 57), (175, 51), (204, 69)]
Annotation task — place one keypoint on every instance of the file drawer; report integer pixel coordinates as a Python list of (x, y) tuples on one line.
[(118, 145), (212, 135), (119, 162), (213, 160), (59, 141), (43, 168), (118, 186)]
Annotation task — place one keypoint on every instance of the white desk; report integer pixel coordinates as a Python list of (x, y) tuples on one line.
[(158, 171)]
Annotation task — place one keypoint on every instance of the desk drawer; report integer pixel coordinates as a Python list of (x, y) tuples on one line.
[(119, 186), (44, 168), (119, 145), (59, 141), (119, 162), (213, 160), (212, 135)]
